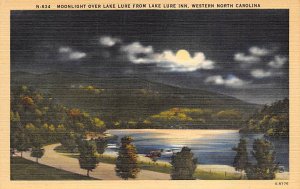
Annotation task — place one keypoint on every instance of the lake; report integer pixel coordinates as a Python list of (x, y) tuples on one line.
[(208, 146)]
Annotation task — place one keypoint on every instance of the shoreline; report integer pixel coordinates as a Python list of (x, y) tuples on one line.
[(148, 129), (176, 133)]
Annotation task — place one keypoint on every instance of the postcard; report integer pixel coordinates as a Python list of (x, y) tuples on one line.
[(163, 94)]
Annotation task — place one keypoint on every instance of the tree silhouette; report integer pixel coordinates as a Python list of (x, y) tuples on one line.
[(101, 144), (88, 159), (37, 152), (69, 141), (22, 142), (266, 167), (126, 163), (183, 165), (241, 158)]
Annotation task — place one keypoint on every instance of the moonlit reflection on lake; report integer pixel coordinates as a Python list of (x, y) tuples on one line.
[(209, 146)]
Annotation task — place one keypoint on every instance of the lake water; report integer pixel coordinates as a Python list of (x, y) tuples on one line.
[(208, 146)]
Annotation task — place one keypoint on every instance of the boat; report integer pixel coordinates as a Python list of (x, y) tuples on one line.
[(169, 152), (112, 146)]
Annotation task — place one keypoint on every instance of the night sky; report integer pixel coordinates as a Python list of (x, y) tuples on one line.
[(241, 53)]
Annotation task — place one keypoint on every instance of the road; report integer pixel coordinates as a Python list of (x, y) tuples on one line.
[(104, 171)]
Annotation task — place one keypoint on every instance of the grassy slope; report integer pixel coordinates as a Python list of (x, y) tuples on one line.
[(22, 169)]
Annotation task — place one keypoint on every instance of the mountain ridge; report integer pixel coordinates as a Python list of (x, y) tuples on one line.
[(143, 79), (124, 98)]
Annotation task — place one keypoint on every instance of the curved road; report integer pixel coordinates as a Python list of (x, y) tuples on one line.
[(104, 171)]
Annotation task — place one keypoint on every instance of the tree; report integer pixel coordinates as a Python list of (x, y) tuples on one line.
[(126, 163), (36, 140), (69, 141), (272, 120), (87, 159), (22, 142), (61, 129), (27, 102), (98, 125), (241, 158), (266, 167), (37, 152), (183, 165), (16, 129), (101, 144)]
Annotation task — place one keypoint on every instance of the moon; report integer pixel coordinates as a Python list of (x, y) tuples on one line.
[(183, 56)]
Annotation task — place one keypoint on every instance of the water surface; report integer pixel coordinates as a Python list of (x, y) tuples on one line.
[(208, 146)]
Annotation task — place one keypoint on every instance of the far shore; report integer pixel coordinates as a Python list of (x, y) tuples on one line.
[(180, 133)]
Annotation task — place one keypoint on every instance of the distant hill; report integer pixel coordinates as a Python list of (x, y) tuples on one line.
[(125, 98)]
